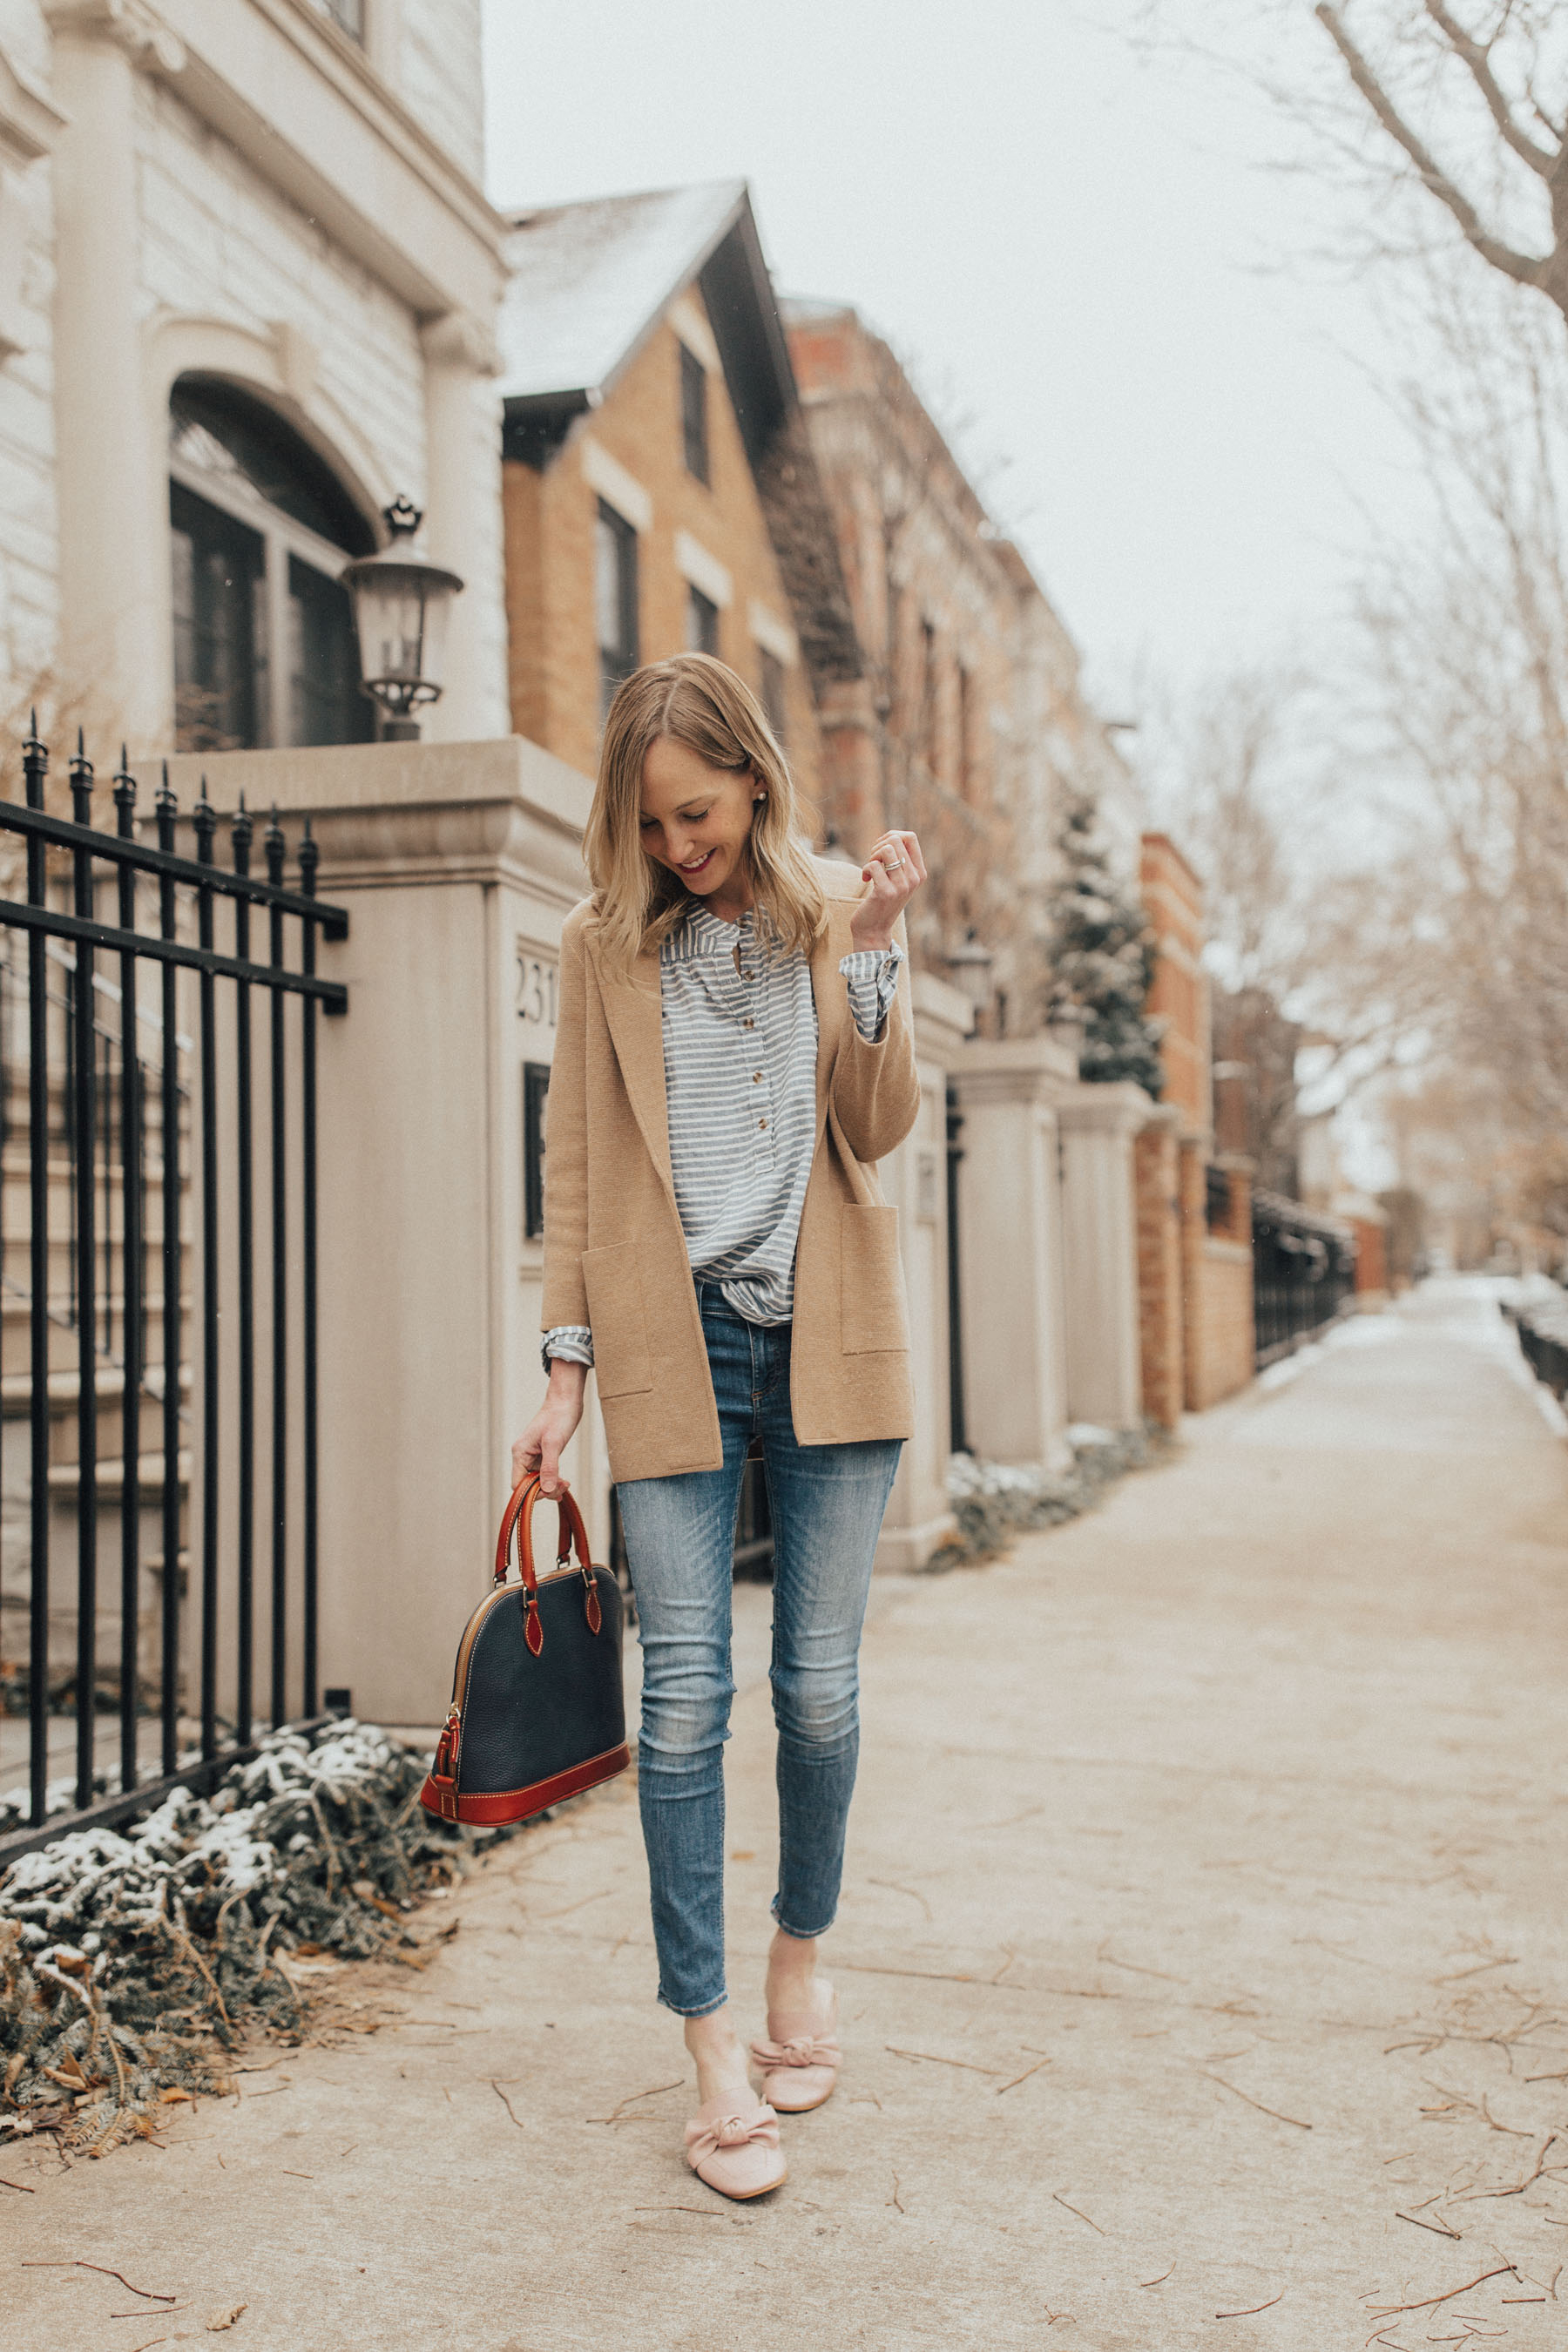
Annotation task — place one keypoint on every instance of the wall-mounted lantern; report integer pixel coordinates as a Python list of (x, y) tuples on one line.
[(402, 604)]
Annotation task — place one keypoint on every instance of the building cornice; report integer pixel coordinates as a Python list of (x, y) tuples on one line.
[(29, 122), (298, 102)]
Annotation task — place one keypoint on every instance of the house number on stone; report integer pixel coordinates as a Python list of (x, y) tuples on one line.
[(536, 985)]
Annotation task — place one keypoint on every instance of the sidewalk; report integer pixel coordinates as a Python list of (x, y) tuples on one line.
[(1204, 1916)]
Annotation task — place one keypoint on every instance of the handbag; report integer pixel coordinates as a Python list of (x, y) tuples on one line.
[(538, 1709)]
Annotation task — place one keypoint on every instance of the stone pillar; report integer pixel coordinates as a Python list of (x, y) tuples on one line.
[(1100, 1253), (1155, 1169), (1010, 1252), (112, 479), (463, 526), (458, 864), (915, 1179)]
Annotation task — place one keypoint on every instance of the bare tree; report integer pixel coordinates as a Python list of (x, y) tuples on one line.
[(1470, 649), (1317, 910), (1479, 96)]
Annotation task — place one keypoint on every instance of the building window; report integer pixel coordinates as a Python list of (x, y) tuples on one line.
[(535, 1097), (265, 651), (694, 413), (771, 681), (615, 601), (347, 15), (701, 622), (220, 627), (927, 711), (968, 765)]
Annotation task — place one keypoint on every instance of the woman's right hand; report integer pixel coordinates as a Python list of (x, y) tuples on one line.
[(550, 1431)]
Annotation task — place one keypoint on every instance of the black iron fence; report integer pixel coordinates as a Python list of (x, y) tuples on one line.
[(1303, 1270), (1542, 1327), (117, 1131)]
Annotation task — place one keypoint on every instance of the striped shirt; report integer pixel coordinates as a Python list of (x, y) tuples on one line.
[(739, 1075)]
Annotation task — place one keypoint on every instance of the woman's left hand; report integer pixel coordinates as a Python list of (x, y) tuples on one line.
[(895, 870)]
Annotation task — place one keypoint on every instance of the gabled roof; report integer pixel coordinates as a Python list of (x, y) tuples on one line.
[(588, 283), (584, 282)]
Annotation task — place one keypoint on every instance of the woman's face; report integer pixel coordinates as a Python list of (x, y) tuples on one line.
[(696, 819)]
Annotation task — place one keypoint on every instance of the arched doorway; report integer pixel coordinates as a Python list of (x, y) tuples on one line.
[(265, 651)]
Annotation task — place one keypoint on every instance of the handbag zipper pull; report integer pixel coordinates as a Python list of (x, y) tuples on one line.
[(533, 1631), (591, 1606)]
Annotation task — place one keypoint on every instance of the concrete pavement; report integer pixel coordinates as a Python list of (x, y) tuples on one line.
[(1202, 1959)]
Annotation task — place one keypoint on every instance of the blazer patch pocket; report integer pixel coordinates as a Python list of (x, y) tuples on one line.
[(870, 1282), (613, 1278)]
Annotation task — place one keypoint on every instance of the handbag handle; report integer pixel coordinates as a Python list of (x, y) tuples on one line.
[(570, 1532)]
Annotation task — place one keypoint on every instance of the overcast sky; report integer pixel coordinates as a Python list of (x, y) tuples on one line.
[(1071, 247)]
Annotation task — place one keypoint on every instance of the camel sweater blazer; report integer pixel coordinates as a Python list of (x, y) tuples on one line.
[(614, 1254)]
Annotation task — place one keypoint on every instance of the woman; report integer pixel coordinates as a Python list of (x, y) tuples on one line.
[(733, 1056)]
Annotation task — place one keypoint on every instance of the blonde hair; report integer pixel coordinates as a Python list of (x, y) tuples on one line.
[(693, 700)]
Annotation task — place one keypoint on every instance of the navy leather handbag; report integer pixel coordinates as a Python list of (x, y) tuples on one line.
[(538, 1709)]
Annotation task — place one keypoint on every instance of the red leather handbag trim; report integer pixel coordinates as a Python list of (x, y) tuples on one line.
[(525, 1500), (497, 1806)]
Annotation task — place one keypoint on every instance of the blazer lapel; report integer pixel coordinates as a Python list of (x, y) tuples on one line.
[(632, 1009)]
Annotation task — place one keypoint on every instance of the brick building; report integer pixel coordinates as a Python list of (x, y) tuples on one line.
[(656, 490), (1194, 1207), (971, 724)]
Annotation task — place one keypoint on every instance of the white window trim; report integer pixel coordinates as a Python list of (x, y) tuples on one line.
[(694, 331), (607, 477), (776, 637), (281, 537), (703, 571)]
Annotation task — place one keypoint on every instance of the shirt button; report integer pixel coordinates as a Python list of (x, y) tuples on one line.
[(757, 1077), (762, 1122), (748, 1023)]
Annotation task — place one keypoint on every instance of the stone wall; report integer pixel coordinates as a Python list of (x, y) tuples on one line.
[(218, 242), (437, 75), (29, 558), (1218, 1347)]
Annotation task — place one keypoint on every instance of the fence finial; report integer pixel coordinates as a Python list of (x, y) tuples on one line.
[(81, 783), (204, 819), (166, 806), (34, 766), (125, 796)]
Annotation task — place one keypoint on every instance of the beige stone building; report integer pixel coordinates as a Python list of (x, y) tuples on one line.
[(248, 285)]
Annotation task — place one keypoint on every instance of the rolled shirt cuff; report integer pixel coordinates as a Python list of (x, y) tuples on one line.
[(872, 977), (572, 1343)]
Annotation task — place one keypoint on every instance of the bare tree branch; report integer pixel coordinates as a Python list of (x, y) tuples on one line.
[(1525, 270), (1477, 56)]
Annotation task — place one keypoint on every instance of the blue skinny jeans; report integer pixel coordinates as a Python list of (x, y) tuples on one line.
[(828, 1503)]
